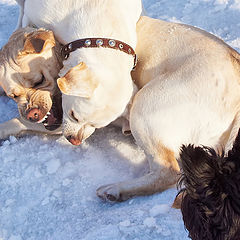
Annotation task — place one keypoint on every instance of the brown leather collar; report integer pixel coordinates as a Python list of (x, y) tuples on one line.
[(98, 42)]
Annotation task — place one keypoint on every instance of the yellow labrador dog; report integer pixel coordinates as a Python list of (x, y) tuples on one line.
[(189, 85), (29, 66)]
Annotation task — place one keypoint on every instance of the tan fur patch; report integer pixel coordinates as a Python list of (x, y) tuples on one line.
[(69, 77), (62, 84), (78, 81), (37, 42), (169, 158)]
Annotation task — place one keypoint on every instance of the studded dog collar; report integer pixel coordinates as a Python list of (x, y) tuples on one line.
[(98, 42)]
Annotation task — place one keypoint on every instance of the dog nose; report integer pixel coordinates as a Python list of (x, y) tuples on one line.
[(34, 115), (73, 140)]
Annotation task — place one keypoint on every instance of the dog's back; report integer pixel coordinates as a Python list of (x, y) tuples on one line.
[(192, 75), (74, 19)]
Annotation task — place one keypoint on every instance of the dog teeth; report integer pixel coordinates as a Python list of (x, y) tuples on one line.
[(45, 124), (40, 121), (43, 119), (48, 113)]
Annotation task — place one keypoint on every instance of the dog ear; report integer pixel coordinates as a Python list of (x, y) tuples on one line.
[(211, 205), (195, 220), (234, 153), (78, 81), (199, 168), (231, 170), (38, 41)]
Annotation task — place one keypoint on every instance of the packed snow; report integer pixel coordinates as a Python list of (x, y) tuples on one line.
[(48, 187)]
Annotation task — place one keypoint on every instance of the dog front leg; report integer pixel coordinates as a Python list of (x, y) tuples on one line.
[(17, 127), (12, 127)]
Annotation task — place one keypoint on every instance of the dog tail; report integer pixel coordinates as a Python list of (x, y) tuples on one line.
[(211, 190)]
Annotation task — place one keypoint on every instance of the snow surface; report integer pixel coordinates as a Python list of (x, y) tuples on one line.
[(47, 186)]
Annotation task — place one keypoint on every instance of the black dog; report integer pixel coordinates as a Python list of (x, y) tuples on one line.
[(211, 194)]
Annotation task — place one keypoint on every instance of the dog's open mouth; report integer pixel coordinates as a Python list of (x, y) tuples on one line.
[(53, 119), (51, 122)]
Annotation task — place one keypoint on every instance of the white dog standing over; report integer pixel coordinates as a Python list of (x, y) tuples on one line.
[(102, 74)]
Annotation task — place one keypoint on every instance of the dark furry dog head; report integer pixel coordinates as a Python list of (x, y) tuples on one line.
[(211, 197)]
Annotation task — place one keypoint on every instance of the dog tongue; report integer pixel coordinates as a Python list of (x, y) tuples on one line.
[(51, 119)]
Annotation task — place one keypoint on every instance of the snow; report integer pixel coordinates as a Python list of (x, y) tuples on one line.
[(48, 187), (125, 223), (159, 209), (52, 166), (149, 222)]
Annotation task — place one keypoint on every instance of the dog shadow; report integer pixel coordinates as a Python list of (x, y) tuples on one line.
[(125, 150), (120, 152)]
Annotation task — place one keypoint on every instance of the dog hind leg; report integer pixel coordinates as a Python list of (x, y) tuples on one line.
[(163, 166), (163, 174)]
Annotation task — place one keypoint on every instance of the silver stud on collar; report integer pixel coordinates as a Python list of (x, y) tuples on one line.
[(129, 51), (87, 42), (112, 43), (70, 46), (121, 46), (99, 42)]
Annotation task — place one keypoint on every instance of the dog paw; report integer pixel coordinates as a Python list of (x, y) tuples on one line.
[(110, 193)]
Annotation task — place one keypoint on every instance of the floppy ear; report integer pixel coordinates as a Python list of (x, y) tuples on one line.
[(78, 81), (38, 41)]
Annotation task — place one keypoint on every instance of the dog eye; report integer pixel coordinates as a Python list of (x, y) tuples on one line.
[(37, 84), (73, 116)]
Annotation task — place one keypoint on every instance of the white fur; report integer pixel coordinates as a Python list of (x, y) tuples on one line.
[(74, 19)]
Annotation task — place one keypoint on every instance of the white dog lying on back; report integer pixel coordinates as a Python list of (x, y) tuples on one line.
[(106, 70)]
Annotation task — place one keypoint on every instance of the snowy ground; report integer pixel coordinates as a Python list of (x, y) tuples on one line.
[(47, 187)]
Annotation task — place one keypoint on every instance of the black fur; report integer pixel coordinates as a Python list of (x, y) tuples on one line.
[(211, 199)]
